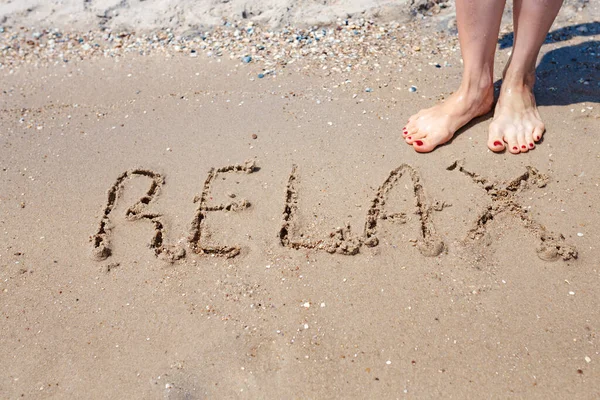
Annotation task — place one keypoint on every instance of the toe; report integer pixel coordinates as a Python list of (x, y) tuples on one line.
[(529, 142), (412, 136), (538, 132), (418, 135), (423, 145), (409, 130), (522, 143), (495, 142), (511, 143), (412, 124)]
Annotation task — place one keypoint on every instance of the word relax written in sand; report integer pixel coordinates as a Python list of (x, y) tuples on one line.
[(342, 240)]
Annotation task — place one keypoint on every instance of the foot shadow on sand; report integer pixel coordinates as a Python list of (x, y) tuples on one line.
[(563, 34), (569, 75)]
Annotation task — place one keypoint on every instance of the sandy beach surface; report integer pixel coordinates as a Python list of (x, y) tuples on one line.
[(233, 214)]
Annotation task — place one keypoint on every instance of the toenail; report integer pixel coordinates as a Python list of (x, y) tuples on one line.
[(531, 145), (419, 143), (523, 147), (537, 138), (405, 133), (497, 143), (409, 138), (515, 148)]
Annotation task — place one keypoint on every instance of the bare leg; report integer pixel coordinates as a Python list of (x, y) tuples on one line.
[(478, 26), (517, 121)]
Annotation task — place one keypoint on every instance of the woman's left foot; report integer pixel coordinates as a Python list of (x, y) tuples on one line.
[(517, 125)]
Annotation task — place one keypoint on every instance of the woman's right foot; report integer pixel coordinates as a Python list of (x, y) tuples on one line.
[(434, 126), (517, 124)]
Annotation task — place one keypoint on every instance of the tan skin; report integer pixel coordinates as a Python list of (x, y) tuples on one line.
[(517, 125)]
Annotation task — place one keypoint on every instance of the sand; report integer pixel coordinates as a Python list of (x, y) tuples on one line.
[(173, 226)]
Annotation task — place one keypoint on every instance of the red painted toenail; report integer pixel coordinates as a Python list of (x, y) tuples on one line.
[(409, 138), (523, 147), (419, 143), (515, 148), (531, 145), (497, 143), (537, 138)]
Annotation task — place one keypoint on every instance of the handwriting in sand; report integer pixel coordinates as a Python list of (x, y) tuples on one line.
[(343, 240)]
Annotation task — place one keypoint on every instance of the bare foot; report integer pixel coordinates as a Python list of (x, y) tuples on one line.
[(517, 124), (436, 125)]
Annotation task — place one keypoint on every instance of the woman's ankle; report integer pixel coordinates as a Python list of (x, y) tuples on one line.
[(477, 82), (519, 77)]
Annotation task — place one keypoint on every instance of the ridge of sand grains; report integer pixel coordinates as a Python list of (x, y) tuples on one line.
[(164, 131), (185, 15), (349, 45)]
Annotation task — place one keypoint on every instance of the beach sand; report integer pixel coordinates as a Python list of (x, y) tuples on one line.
[(174, 226)]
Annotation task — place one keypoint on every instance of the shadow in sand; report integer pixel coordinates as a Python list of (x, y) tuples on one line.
[(569, 74), (559, 35)]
